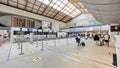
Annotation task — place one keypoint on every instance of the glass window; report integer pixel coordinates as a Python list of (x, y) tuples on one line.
[(58, 8), (71, 6), (65, 1), (40, 0), (58, 2), (51, 4), (46, 2), (54, 1), (55, 6), (78, 11), (60, 5)]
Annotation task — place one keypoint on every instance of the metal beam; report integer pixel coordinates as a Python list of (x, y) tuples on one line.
[(57, 7), (69, 20), (17, 3), (40, 6), (64, 17), (26, 4), (26, 10), (47, 7), (60, 10), (67, 15), (8, 2), (33, 5), (50, 9), (77, 7)]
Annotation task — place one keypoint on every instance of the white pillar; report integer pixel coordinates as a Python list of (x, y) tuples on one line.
[(117, 44)]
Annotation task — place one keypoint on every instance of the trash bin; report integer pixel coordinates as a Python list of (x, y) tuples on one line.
[(114, 60)]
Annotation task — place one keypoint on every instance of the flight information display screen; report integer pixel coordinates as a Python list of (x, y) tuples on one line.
[(115, 28), (46, 24)]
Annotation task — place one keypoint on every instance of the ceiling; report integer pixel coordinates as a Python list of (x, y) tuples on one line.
[(105, 11), (61, 10)]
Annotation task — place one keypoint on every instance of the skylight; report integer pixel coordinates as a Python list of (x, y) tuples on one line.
[(64, 6)]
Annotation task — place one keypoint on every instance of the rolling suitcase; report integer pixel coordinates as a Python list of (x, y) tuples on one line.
[(83, 44)]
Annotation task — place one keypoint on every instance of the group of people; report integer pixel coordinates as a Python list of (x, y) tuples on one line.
[(100, 39)]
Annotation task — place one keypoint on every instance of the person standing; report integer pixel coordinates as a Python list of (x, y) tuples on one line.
[(1, 40), (96, 39), (86, 36), (106, 39), (78, 40), (101, 39)]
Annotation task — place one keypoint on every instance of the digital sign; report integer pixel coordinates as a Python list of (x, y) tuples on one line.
[(115, 28)]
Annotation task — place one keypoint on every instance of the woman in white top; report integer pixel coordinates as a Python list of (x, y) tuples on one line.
[(106, 39)]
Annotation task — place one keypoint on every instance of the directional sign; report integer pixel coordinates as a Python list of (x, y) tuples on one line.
[(30, 52), (37, 59), (77, 54)]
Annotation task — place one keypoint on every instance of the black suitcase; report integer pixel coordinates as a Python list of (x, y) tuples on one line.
[(83, 44)]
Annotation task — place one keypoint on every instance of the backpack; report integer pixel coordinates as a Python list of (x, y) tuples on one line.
[(76, 38)]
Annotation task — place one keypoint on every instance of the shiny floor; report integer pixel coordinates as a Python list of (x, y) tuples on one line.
[(59, 53)]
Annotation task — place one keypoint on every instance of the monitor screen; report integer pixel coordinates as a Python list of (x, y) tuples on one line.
[(46, 24), (115, 28), (30, 29)]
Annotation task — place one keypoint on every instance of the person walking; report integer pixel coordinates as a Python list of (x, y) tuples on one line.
[(78, 40)]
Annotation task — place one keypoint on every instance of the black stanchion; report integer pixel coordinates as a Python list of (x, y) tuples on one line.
[(37, 43), (20, 40), (21, 49), (59, 40), (42, 43), (67, 41), (55, 42), (46, 40), (18, 43)]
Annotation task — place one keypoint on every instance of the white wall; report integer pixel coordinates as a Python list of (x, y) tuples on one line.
[(57, 25), (37, 24), (5, 20), (83, 20), (2, 32)]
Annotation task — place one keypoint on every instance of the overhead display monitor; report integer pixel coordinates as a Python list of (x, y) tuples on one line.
[(46, 24), (34, 30), (115, 28), (30, 29), (39, 30), (24, 29), (15, 29), (44, 30)]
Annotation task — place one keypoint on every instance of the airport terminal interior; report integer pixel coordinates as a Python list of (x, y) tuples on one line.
[(59, 33)]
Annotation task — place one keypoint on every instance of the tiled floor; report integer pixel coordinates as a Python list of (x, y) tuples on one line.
[(60, 53)]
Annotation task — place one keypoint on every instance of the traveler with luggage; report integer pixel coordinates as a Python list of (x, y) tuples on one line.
[(78, 40)]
